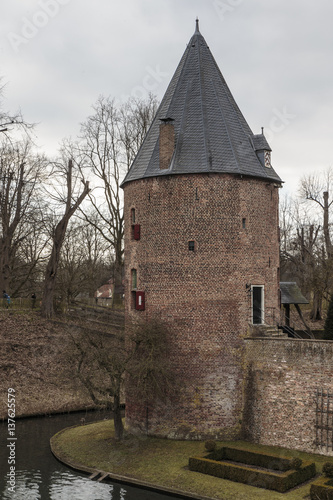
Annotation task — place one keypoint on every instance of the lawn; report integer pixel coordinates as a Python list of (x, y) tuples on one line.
[(164, 462)]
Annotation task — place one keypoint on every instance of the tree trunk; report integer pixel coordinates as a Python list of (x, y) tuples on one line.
[(117, 418), (9, 227), (316, 312), (328, 243), (47, 308), (4, 265), (286, 314), (307, 328), (117, 281)]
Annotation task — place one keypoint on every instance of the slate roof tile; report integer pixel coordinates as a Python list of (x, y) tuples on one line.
[(211, 133)]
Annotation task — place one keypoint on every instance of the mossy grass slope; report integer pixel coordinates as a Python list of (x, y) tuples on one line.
[(164, 463)]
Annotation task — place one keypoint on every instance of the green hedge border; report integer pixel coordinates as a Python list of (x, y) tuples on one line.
[(244, 456), (322, 489), (214, 464)]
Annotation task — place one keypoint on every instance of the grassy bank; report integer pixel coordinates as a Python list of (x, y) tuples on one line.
[(163, 462), (36, 361)]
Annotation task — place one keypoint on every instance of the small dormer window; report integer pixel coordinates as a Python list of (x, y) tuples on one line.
[(268, 159), (262, 149)]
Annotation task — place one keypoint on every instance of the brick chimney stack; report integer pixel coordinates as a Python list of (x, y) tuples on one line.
[(167, 142)]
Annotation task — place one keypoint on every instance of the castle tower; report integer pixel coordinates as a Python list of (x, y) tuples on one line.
[(201, 246)]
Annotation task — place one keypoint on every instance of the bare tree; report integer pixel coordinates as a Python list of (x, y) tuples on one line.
[(11, 121), (102, 362), (85, 262), (98, 256), (316, 189), (71, 203), (150, 368), (311, 266), (302, 258), (110, 139), (20, 178)]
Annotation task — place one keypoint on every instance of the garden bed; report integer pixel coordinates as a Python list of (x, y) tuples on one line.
[(322, 489), (256, 469)]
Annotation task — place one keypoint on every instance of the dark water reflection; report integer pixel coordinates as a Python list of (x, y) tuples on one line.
[(39, 476)]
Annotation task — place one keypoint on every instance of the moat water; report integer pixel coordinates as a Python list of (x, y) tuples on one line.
[(40, 476)]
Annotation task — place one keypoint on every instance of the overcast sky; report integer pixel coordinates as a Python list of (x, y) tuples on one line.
[(58, 56)]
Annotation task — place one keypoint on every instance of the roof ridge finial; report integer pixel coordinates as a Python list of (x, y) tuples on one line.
[(197, 25)]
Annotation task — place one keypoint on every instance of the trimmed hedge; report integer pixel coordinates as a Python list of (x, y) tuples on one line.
[(251, 458), (328, 469), (322, 489), (215, 465)]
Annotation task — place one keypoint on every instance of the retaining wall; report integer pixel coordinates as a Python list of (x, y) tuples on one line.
[(280, 391)]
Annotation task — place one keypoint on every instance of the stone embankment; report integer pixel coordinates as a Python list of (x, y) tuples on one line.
[(36, 359)]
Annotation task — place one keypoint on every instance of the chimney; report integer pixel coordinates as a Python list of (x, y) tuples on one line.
[(167, 142)]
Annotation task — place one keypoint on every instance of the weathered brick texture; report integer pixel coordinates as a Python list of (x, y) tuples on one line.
[(201, 293), (282, 378), (167, 144)]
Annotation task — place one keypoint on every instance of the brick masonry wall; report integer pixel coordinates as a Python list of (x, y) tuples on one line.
[(167, 144), (202, 294), (281, 383)]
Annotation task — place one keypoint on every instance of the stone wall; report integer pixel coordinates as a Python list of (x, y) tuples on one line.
[(202, 293), (282, 378)]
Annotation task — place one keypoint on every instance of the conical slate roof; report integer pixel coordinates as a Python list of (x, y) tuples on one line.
[(211, 134)]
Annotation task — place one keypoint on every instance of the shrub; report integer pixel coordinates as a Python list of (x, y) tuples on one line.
[(251, 458), (328, 469), (210, 445), (295, 463)]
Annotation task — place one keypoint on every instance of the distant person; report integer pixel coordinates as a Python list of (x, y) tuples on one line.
[(33, 301), (6, 299)]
